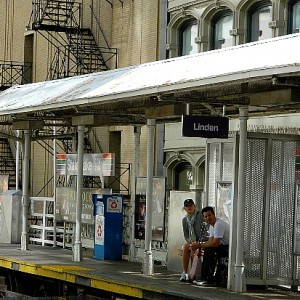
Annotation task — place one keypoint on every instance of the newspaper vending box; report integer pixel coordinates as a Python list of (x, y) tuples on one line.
[(108, 213)]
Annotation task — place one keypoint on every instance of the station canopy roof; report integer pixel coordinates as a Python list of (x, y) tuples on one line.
[(264, 74)]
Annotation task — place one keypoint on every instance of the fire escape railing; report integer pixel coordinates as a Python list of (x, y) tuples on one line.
[(76, 52), (13, 73)]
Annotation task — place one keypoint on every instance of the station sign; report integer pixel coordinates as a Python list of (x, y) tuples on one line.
[(205, 126), (101, 164)]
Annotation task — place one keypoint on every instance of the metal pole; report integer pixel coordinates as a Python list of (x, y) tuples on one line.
[(239, 264), (148, 260), (17, 161), (54, 185), (137, 142), (25, 188), (77, 244), (187, 108)]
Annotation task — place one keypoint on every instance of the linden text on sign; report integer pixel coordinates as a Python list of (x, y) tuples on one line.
[(205, 126)]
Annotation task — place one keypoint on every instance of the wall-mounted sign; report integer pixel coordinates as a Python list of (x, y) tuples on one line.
[(102, 164), (205, 126)]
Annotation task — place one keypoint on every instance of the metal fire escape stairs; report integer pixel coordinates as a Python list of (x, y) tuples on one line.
[(77, 51), (8, 163)]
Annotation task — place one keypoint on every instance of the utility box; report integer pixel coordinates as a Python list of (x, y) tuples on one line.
[(10, 217), (108, 213)]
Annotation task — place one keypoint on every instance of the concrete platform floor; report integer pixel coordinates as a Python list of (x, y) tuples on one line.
[(119, 277)]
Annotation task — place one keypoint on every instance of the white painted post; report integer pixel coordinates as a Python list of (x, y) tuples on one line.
[(240, 285), (137, 142), (25, 189), (54, 185), (78, 242), (17, 160), (148, 259)]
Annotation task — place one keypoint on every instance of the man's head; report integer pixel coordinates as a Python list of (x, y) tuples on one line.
[(189, 206), (209, 215)]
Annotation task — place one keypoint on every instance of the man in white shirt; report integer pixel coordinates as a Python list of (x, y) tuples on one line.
[(216, 247)]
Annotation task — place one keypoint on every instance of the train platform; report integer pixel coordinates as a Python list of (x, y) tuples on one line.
[(121, 278)]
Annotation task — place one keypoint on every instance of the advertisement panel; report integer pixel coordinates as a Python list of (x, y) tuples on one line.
[(66, 204), (157, 208)]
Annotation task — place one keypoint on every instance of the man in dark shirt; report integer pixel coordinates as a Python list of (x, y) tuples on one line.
[(194, 230)]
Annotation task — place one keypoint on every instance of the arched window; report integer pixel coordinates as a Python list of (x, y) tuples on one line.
[(221, 26), (183, 176), (188, 33), (294, 17), (259, 17)]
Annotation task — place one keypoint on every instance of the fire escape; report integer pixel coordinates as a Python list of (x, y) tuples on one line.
[(13, 73), (76, 49)]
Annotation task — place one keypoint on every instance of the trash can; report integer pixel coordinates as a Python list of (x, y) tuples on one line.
[(11, 217), (108, 214)]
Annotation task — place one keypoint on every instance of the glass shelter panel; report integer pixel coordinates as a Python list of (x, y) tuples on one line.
[(213, 170), (227, 163), (219, 168)]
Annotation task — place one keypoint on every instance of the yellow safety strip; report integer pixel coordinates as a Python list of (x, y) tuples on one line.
[(69, 273)]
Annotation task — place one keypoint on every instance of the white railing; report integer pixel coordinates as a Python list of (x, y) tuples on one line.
[(42, 224)]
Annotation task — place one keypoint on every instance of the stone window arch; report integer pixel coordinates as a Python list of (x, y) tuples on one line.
[(222, 24), (293, 17), (185, 170), (258, 17), (182, 25), (183, 175), (249, 13), (215, 21), (188, 33)]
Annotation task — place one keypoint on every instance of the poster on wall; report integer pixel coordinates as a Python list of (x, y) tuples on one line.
[(4, 183), (224, 201), (99, 230), (66, 204), (157, 208)]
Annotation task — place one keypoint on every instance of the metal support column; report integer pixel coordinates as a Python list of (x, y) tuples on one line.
[(54, 185), (240, 285), (78, 244), (25, 189), (137, 143), (18, 145), (148, 259)]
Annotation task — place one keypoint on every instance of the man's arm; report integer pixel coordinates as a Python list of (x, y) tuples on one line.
[(185, 230), (212, 242)]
